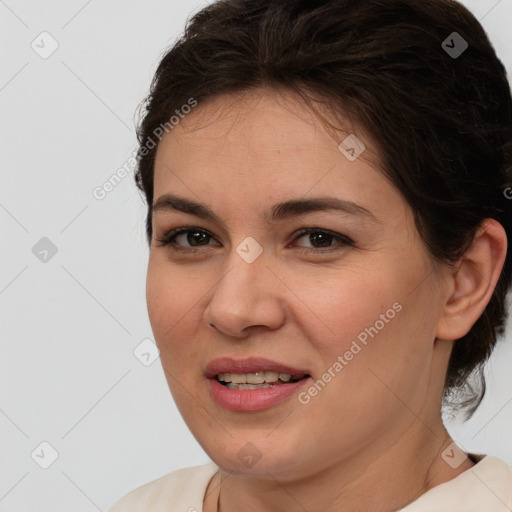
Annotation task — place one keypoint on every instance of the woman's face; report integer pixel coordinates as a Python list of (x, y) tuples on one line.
[(355, 316)]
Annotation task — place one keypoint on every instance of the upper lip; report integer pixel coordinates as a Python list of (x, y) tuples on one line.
[(250, 365)]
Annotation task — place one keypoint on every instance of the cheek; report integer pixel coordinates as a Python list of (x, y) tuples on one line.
[(171, 294), (355, 307), (170, 301), (160, 291), (371, 321), (175, 304)]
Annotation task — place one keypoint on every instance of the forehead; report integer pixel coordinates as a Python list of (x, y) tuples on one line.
[(276, 117), (264, 146), (261, 124)]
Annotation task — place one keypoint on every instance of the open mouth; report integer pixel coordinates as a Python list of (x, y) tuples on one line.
[(257, 380)]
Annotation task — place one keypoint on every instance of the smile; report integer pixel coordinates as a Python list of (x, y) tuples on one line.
[(257, 380), (253, 384)]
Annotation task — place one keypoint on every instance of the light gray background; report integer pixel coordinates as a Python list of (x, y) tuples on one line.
[(70, 324)]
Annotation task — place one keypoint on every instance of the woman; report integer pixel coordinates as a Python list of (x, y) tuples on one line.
[(328, 214)]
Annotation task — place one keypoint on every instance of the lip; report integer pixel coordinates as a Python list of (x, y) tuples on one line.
[(252, 399)]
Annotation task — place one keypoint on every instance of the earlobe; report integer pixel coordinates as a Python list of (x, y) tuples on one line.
[(473, 281)]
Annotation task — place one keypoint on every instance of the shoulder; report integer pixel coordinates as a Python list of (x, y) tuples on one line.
[(182, 490), (486, 486)]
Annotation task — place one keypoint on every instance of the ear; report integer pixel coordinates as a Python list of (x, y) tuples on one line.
[(472, 283)]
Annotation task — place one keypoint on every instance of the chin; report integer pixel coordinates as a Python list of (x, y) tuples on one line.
[(274, 466), (251, 455)]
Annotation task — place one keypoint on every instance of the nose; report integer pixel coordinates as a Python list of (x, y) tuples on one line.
[(246, 297)]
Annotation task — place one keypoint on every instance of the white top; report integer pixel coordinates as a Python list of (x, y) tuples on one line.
[(485, 487)]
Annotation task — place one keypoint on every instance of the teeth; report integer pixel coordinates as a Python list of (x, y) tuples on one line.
[(254, 378), (272, 376), (231, 385), (237, 378)]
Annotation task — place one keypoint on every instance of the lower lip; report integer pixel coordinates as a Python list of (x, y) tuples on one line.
[(253, 399)]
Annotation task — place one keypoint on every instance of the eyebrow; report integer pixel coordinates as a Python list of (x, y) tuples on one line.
[(280, 211)]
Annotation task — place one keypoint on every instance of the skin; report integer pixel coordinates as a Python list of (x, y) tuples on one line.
[(372, 439)]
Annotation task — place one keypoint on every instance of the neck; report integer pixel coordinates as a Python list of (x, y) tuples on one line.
[(378, 480)]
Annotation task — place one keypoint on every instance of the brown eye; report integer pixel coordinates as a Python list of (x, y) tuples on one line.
[(195, 237), (321, 238)]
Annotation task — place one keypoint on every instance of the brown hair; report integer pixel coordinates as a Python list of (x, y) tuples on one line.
[(442, 122)]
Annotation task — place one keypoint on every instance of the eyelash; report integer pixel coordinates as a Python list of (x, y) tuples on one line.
[(168, 240)]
